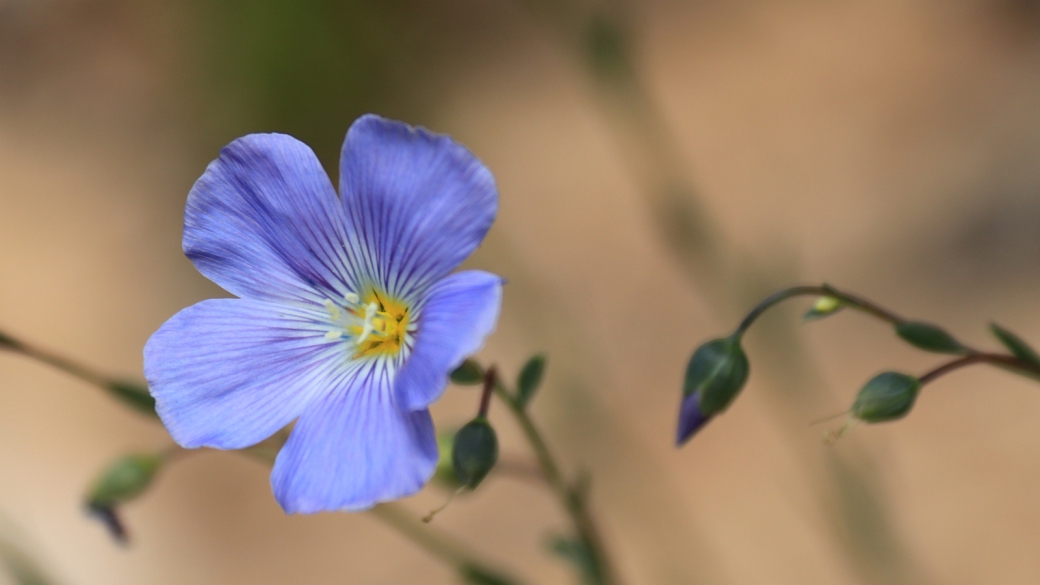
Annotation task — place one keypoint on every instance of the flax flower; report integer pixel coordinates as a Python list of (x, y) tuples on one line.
[(348, 317)]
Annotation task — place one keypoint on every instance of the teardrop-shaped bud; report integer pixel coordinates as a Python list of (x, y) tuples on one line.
[(716, 373), (887, 396), (124, 480), (475, 452)]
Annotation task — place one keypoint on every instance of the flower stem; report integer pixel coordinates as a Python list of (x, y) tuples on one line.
[(438, 544), (1002, 361), (131, 394), (827, 290), (571, 498)]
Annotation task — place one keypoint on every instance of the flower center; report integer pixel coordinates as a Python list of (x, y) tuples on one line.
[(375, 324)]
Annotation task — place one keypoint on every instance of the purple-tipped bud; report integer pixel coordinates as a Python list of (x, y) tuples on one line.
[(690, 418)]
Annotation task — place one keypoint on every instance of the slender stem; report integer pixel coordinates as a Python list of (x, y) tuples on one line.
[(1000, 360), (66, 365), (849, 299), (429, 539), (490, 379), (572, 500)]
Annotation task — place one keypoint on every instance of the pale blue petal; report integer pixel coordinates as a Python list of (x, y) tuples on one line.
[(418, 203), (355, 448), (264, 222), (228, 373), (458, 314)]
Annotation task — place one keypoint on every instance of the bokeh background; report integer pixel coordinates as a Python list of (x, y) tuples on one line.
[(662, 165)]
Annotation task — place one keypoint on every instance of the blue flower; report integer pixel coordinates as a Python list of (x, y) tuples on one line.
[(349, 318)]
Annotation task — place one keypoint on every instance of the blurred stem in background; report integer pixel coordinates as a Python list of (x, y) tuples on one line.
[(728, 278)]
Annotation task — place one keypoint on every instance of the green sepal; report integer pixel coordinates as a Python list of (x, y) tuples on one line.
[(469, 373), (887, 396), (1015, 345), (124, 480), (578, 555), (928, 337), (475, 452), (716, 372), (134, 395), (530, 379), (825, 306)]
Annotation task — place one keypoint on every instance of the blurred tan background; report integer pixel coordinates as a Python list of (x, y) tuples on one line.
[(661, 164)]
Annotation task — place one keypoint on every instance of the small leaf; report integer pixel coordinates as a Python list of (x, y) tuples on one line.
[(530, 379), (928, 337), (1015, 345), (479, 576), (469, 373), (825, 306), (578, 555), (133, 395)]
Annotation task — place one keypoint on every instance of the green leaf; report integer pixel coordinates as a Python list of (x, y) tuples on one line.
[(468, 374), (530, 379), (480, 576), (1015, 345), (578, 555), (134, 395), (928, 337)]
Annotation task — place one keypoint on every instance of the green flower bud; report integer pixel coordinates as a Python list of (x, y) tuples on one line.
[(824, 307), (121, 482), (124, 480), (928, 337), (530, 379), (475, 452), (716, 373), (469, 373), (887, 396)]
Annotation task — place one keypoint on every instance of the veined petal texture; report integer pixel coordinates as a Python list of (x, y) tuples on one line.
[(459, 313), (355, 448), (264, 223), (418, 203), (228, 373)]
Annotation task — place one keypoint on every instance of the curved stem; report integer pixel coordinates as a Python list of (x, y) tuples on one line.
[(999, 360), (571, 498), (854, 301)]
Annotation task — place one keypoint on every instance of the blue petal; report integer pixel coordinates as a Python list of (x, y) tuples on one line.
[(458, 314), (264, 222), (354, 448), (418, 203), (690, 418), (228, 373)]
